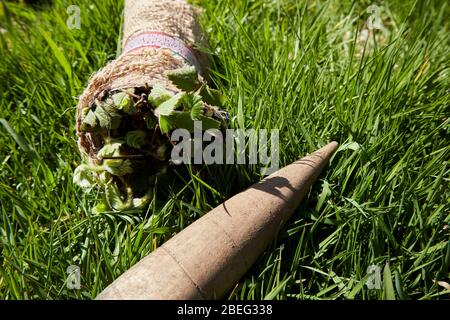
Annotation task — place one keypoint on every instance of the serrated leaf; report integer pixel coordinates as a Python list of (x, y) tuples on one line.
[(193, 102), (123, 101), (118, 167), (108, 105), (89, 121), (164, 124), (107, 114), (82, 177), (183, 120), (196, 112), (185, 78), (212, 96), (113, 198), (209, 123), (136, 138), (109, 150), (159, 95), (103, 117), (140, 203), (168, 107)]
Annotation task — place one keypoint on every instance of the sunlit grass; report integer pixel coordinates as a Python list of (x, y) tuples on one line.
[(311, 70)]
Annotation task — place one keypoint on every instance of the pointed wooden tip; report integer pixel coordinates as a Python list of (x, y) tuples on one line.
[(326, 151)]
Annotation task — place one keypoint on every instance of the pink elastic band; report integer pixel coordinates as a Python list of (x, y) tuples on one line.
[(162, 40)]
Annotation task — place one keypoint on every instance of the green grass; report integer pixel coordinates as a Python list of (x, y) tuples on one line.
[(298, 66)]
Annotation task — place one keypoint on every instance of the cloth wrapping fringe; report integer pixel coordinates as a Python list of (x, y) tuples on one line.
[(175, 20)]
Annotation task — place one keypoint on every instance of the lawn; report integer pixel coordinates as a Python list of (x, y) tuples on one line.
[(374, 78)]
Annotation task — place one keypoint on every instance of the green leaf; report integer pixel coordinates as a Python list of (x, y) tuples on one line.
[(82, 176), (109, 150), (168, 107), (164, 124), (136, 138), (193, 102), (212, 96), (123, 101), (159, 95), (103, 117), (183, 120), (209, 123), (89, 120), (108, 105), (185, 78), (107, 114), (140, 203), (113, 198), (196, 112), (118, 167)]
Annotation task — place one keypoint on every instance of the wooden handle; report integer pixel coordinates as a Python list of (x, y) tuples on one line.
[(207, 259)]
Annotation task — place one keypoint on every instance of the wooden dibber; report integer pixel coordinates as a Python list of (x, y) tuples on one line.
[(207, 259)]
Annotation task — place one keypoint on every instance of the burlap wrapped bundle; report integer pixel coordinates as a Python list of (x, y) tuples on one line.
[(140, 66), (122, 134)]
